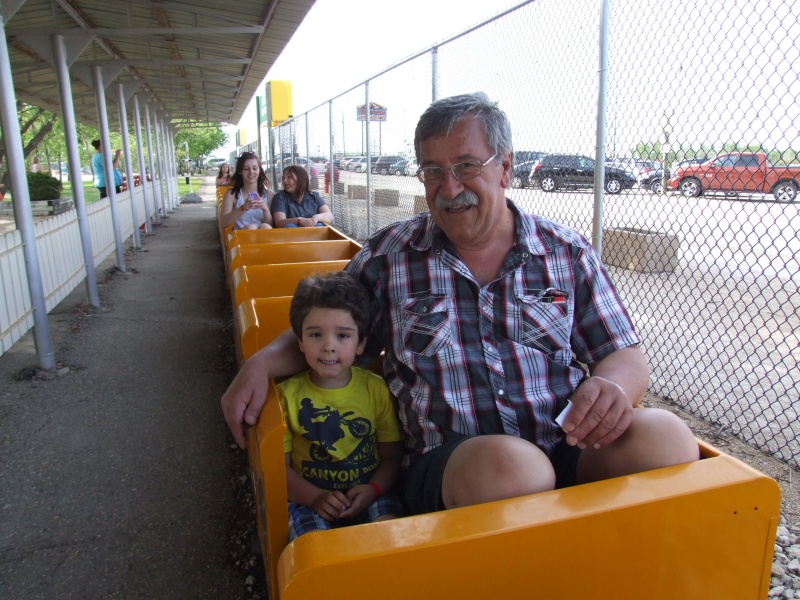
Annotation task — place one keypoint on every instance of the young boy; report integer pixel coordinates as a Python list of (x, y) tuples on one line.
[(343, 444)]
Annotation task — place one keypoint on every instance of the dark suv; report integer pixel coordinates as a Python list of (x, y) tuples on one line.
[(381, 164), (556, 171)]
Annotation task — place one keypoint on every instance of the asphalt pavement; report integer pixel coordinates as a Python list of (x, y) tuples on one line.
[(118, 477)]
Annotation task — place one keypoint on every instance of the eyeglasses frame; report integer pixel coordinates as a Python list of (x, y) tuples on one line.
[(451, 168)]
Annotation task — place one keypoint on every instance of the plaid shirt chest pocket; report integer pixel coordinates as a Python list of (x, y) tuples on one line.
[(425, 324), (544, 322)]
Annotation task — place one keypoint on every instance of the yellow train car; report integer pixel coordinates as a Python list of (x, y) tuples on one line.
[(688, 532)]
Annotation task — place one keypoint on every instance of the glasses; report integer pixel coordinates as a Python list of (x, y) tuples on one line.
[(461, 171)]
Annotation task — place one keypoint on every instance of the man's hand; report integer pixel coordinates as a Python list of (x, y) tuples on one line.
[(331, 505), (601, 412), (244, 398)]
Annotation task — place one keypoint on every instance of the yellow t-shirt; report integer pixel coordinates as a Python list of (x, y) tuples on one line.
[(332, 433)]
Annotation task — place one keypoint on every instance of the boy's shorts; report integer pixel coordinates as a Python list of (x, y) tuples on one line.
[(422, 481), (303, 519)]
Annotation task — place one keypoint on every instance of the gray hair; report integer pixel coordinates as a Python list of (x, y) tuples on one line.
[(441, 116)]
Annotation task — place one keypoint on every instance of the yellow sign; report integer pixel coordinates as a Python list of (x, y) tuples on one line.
[(281, 99)]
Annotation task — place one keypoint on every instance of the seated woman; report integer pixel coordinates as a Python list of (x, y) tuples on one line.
[(224, 175), (296, 205), (246, 204)]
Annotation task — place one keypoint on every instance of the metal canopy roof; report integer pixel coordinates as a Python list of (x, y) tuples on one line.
[(201, 60)]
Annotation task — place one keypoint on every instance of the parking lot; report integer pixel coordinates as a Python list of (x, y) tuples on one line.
[(722, 331)]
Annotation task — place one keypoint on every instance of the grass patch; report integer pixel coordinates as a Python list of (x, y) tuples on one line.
[(91, 194)]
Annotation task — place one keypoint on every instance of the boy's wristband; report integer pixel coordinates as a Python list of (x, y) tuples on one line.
[(376, 488)]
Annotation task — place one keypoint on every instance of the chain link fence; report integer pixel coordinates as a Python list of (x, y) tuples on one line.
[(705, 254)]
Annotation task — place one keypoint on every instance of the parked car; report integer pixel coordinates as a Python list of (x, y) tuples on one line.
[(638, 167), (739, 172), (686, 162), (346, 162), (399, 168), (653, 181), (310, 166), (556, 171), (353, 165), (522, 156), (411, 169), (382, 163), (521, 174)]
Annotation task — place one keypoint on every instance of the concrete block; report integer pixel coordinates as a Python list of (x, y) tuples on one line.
[(419, 204), (314, 182), (640, 249), (387, 197), (338, 188), (357, 192)]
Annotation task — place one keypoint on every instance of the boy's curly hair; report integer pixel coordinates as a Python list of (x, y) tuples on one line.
[(338, 290)]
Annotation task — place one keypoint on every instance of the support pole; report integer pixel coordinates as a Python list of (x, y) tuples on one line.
[(74, 161), (108, 166), (369, 160), (160, 165), (273, 176), (600, 152), (22, 207), (126, 144), (150, 152), (148, 228)]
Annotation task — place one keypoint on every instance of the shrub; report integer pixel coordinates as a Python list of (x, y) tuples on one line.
[(43, 187)]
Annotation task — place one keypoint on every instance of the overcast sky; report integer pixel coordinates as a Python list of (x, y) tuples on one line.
[(723, 70), (341, 43)]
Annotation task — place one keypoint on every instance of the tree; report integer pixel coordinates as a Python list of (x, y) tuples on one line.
[(202, 139)]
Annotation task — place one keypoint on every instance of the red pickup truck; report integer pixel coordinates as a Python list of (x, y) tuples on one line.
[(738, 172)]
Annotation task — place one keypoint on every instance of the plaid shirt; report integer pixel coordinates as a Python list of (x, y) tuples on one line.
[(469, 360)]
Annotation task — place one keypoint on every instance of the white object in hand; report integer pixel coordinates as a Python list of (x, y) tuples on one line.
[(564, 414)]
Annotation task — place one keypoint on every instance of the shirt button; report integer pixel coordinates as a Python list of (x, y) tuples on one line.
[(424, 309), (501, 393), (525, 255)]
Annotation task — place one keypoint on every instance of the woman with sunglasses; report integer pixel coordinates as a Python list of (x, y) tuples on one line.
[(246, 204), (224, 174)]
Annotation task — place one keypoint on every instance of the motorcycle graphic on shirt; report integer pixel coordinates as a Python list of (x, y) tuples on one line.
[(324, 428)]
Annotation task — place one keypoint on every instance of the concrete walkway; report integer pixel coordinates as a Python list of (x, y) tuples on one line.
[(118, 477)]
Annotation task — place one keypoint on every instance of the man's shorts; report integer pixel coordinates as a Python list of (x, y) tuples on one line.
[(422, 481), (303, 519)]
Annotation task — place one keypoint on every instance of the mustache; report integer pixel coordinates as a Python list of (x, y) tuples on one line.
[(465, 199)]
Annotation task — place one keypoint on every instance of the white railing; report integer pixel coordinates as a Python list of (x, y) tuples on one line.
[(60, 253)]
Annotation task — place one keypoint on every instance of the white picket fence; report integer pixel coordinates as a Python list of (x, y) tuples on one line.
[(61, 260)]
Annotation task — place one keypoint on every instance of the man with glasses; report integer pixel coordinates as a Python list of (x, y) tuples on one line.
[(494, 322)]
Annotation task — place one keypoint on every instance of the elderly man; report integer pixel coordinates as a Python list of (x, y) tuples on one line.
[(492, 321)]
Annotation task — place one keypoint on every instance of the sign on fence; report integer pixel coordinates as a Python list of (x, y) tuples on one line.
[(376, 112)]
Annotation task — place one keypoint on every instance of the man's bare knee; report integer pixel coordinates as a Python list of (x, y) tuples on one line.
[(655, 439), (494, 467)]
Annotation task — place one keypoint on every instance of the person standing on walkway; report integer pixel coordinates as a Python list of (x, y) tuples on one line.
[(36, 166), (100, 169), (246, 204)]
